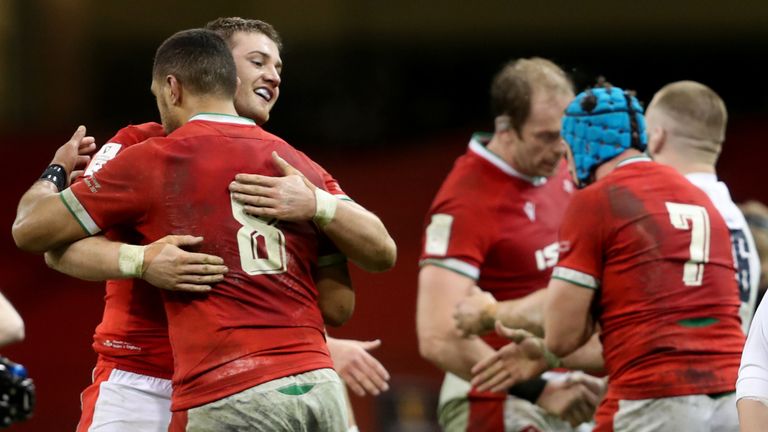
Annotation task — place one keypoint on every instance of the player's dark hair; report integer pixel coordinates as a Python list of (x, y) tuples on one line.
[(200, 60), (513, 86), (228, 26)]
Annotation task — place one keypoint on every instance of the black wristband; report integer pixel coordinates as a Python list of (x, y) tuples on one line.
[(55, 174), (528, 390)]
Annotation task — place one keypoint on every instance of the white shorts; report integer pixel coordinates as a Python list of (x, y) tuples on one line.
[(694, 413), (308, 402), (120, 401)]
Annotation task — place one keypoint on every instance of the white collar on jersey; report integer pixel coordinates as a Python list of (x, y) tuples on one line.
[(222, 118), (477, 145), (634, 159), (701, 177)]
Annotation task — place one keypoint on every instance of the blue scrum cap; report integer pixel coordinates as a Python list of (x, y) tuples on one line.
[(599, 125)]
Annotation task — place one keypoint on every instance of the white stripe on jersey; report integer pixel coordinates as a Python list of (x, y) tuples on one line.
[(576, 277), (460, 267), (79, 212)]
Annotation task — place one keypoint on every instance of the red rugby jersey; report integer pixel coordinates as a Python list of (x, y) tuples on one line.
[(658, 254), (495, 225), (263, 321), (133, 333)]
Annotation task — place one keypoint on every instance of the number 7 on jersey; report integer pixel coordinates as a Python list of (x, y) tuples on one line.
[(694, 218)]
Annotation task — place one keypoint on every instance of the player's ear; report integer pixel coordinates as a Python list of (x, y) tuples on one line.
[(657, 137), (174, 89)]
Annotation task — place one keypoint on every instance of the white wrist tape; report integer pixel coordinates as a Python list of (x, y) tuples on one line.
[(325, 208), (353, 429), (130, 260)]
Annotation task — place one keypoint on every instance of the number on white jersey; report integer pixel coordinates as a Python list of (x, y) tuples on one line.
[(693, 218), (261, 243)]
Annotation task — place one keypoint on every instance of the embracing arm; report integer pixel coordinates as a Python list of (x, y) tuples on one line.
[(440, 290), (42, 220), (356, 232), (362, 237), (163, 263)]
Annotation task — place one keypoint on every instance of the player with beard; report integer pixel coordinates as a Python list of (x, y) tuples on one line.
[(494, 224)]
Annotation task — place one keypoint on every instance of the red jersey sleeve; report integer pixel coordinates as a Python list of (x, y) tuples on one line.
[(457, 237), (330, 184), (124, 138), (581, 240), (118, 193)]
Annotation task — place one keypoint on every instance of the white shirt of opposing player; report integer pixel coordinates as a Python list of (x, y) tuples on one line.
[(753, 372), (744, 250)]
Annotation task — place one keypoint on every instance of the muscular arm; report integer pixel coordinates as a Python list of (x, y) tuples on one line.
[(42, 221), (567, 320), (92, 258), (362, 237), (440, 290), (165, 264), (478, 313), (357, 233)]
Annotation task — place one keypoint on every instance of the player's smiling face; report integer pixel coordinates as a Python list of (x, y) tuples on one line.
[(539, 149), (258, 66)]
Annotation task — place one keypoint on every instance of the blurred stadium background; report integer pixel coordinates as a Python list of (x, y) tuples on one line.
[(383, 94)]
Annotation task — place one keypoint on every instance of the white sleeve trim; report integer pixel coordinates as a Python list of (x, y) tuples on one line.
[(329, 260), (79, 212), (453, 264), (576, 277)]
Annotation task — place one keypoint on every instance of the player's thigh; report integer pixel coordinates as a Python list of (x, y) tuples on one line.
[(672, 414), (120, 401), (521, 415), (725, 416), (312, 401)]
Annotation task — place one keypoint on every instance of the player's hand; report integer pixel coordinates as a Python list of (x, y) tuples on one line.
[(360, 370), (288, 198), (74, 155), (574, 402), (168, 266), (474, 315), (518, 361), (595, 385)]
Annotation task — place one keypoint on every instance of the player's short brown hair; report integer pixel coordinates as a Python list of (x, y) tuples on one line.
[(200, 60), (513, 86), (698, 111), (228, 26)]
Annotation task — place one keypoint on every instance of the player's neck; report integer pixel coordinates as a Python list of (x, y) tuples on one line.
[(604, 169), (498, 147), (210, 105), (685, 164)]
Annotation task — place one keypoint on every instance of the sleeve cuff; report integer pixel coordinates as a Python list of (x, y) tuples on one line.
[(79, 212), (461, 267), (576, 277), (329, 260)]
